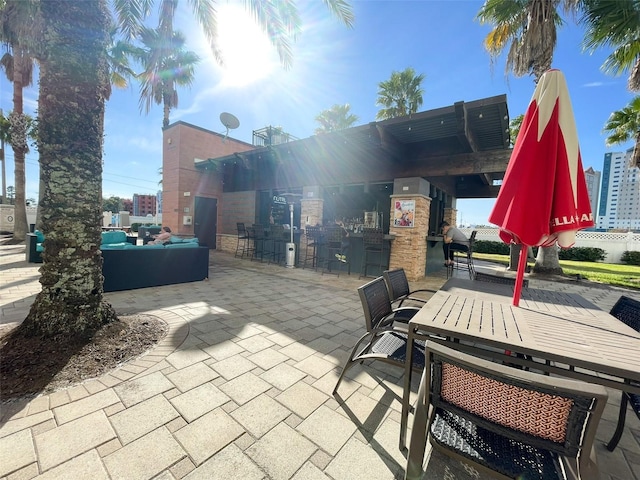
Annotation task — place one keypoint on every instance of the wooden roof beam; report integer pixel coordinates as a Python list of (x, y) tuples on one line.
[(465, 135), (457, 165)]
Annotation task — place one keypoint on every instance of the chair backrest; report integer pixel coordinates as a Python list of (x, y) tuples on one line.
[(312, 233), (276, 232), (258, 231), (553, 413), (333, 235), (627, 310), (375, 302), (372, 237), (242, 231), (485, 277), (472, 240), (397, 283)]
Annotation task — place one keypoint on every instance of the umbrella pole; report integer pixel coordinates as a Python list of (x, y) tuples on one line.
[(522, 266)]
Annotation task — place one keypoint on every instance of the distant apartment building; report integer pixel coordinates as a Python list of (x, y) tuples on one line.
[(619, 206), (592, 178), (144, 205)]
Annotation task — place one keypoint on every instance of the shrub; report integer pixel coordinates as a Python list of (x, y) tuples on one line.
[(485, 246), (582, 254), (631, 258)]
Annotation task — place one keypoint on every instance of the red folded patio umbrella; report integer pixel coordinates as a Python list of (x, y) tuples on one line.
[(543, 198)]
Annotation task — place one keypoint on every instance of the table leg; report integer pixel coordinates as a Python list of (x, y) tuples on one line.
[(406, 397)]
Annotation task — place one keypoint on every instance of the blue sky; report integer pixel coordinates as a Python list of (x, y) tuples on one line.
[(336, 65)]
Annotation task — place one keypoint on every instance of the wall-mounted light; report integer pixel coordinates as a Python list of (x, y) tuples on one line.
[(169, 140), (480, 116)]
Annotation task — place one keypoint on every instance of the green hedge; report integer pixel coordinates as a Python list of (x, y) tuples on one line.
[(582, 254), (631, 258), (485, 246), (136, 225)]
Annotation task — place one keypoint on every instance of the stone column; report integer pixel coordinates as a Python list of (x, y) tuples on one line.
[(409, 247), (451, 216)]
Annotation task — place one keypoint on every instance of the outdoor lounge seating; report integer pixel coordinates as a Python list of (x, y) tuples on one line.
[(386, 336), (505, 422), (398, 287), (626, 310)]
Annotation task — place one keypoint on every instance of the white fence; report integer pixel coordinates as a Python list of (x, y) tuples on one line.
[(614, 244)]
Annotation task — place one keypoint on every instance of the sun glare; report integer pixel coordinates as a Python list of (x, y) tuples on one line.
[(247, 52)]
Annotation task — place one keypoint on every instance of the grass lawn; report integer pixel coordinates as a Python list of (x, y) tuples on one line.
[(609, 273)]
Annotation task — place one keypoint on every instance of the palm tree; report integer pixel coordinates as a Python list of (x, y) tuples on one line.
[(17, 23), (528, 28), (74, 85), (4, 139), (616, 25), (400, 95), (166, 65), (338, 117), (624, 125)]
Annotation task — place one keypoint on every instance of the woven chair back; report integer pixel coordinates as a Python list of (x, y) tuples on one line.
[(372, 237), (258, 231), (397, 283), (333, 236), (375, 302), (242, 231)]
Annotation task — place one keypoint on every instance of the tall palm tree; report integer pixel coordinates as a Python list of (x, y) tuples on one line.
[(528, 28), (400, 95), (166, 65), (18, 21), (616, 25), (338, 117), (4, 139), (624, 125), (74, 85)]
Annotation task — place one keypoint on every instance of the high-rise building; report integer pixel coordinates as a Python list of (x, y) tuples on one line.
[(592, 178), (619, 206), (144, 205)]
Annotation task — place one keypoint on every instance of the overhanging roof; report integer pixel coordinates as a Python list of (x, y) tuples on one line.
[(454, 147)]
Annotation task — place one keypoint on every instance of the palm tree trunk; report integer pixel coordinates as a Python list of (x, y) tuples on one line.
[(547, 261), (73, 88), (18, 128)]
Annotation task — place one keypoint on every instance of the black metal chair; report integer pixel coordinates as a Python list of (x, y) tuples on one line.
[(314, 243), (627, 310), (373, 254), (333, 238), (259, 241), (277, 240), (386, 336), (463, 260), (398, 287), (505, 422), (242, 247)]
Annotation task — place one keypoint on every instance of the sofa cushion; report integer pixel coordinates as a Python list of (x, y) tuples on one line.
[(175, 239), (182, 245), (150, 246), (39, 236), (114, 246), (114, 236), (39, 247)]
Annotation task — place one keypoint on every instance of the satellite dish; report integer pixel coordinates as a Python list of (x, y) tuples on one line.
[(230, 122)]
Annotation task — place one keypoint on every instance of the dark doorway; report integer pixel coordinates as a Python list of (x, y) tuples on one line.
[(205, 218)]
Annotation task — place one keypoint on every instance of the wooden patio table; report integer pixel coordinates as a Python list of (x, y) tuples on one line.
[(555, 332)]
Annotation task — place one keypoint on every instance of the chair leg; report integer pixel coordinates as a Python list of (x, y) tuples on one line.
[(613, 443)]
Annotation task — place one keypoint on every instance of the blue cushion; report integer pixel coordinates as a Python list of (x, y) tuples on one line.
[(39, 236), (113, 236), (39, 247), (182, 245), (190, 240), (151, 245), (114, 246), (175, 239)]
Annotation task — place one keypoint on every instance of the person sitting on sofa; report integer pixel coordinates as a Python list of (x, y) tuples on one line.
[(162, 237)]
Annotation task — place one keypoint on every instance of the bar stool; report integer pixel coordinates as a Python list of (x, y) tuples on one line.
[(259, 239), (333, 239), (314, 243), (242, 247), (251, 242), (276, 237), (464, 260), (373, 241)]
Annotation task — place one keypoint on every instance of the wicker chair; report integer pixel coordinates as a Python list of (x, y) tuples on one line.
[(384, 340), (505, 422), (626, 310), (486, 277), (398, 287)]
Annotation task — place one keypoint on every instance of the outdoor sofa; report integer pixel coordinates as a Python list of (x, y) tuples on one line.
[(127, 266)]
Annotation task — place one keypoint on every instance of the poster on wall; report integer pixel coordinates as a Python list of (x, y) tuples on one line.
[(403, 213)]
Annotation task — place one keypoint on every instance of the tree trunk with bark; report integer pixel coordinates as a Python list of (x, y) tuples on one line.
[(18, 134), (547, 261), (73, 89)]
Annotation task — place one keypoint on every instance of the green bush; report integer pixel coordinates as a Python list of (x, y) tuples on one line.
[(631, 258), (582, 254), (485, 246)]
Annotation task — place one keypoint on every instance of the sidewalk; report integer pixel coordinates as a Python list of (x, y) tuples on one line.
[(239, 389)]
